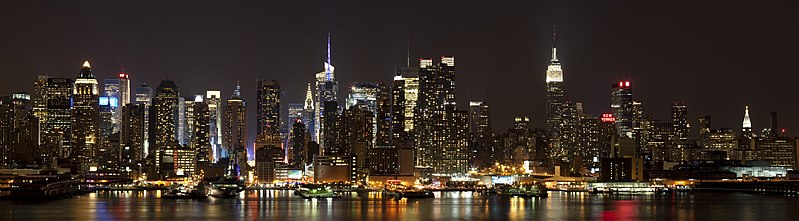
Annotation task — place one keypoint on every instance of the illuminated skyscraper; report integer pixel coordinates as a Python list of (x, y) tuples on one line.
[(112, 92), (108, 148), (327, 90), (144, 96), (295, 112), (442, 142), (132, 134), (621, 104), (405, 93), (124, 88), (163, 118), (679, 117), (309, 114), (268, 107), (234, 127), (374, 98), (201, 141), (39, 97), (59, 116), (85, 118), (482, 136), (214, 101), (186, 124), (555, 92), (747, 123)]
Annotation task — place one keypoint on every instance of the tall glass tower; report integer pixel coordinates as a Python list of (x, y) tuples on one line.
[(326, 90)]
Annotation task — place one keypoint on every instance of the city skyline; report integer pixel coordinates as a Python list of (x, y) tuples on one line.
[(485, 62), (357, 110)]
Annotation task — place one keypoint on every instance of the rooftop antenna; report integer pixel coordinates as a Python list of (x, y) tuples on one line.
[(408, 56)]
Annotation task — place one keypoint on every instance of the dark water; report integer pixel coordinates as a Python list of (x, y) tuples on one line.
[(283, 205)]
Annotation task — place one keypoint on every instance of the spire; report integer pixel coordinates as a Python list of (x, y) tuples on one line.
[(328, 63), (237, 91), (86, 64), (309, 98), (554, 45), (328, 49), (747, 124), (408, 56)]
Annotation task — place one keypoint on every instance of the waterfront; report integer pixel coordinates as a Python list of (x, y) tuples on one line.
[(283, 205)]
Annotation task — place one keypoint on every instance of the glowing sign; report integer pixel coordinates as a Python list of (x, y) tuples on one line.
[(104, 101), (113, 102), (608, 118), (295, 174)]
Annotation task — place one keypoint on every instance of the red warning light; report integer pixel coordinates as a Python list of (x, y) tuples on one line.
[(627, 83)]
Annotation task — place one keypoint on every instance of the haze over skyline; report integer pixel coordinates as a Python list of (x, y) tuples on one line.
[(715, 57)]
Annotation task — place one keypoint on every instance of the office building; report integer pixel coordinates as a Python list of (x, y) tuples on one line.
[(85, 126), (268, 107), (621, 104)]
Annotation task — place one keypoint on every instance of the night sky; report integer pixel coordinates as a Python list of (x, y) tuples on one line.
[(717, 57)]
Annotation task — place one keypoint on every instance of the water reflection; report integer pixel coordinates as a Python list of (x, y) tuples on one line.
[(284, 205)]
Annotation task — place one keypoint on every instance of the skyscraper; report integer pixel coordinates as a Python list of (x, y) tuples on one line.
[(268, 107), (481, 134), (85, 118), (331, 130), (234, 127), (108, 148), (163, 118), (405, 93), (327, 90), (187, 105), (309, 114), (59, 116), (442, 141), (555, 92), (124, 88), (112, 91), (201, 140), (374, 98), (355, 134), (298, 138), (39, 97), (214, 101), (621, 104), (679, 117), (6, 129), (132, 134), (747, 123), (144, 96)]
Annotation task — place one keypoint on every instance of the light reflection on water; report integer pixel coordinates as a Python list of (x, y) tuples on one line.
[(284, 205)]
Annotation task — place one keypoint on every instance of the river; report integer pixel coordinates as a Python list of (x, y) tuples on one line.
[(283, 205)]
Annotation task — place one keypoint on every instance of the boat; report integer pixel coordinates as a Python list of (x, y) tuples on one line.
[(624, 188), (46, 189), (225, 187), (526, 191), (229, 185), (313, 191), (178, 191), (417, 194)]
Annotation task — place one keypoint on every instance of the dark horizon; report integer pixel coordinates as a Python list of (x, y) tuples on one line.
[(710, 56)]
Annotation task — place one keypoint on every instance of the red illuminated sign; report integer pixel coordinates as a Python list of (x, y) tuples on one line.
[(608, 118)]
